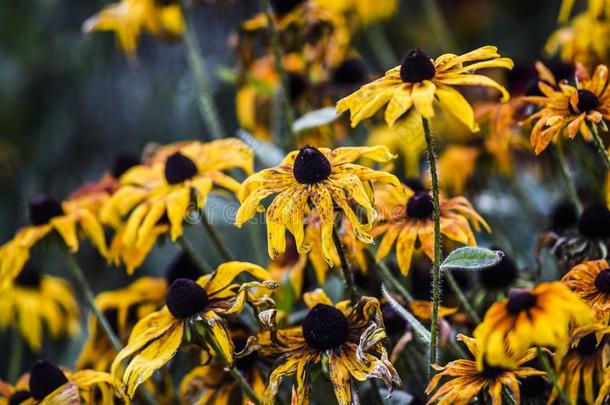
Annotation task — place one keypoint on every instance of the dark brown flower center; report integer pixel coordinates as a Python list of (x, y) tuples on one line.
[(311, 166), (519, 301), (282, 7), (587, 101), (43, 208), (45, 378), (179, 168), (18, 397), (587, 345), (29, 277), (186, 298), (602, 281), (416, 67), (325, 327), (123, 162), (420, 206), (594, 222)]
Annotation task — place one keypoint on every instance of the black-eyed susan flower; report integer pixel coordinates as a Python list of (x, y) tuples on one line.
[(419, 82), (212, 383), (591, 282), (36, 302), (570, 108), (163, 190), (323, 177), (129, 18), (49, 384), (347, 337), (156, 338), (581, 368), (461, 381), (406, 221), (71, 220), (540, 317)]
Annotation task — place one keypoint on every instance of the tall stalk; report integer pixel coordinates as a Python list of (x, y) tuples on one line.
[(347, 274), (436, 268), (207, 106)]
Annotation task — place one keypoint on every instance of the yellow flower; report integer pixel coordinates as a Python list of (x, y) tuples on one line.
[(129, 18), (596, 8), (36, 301), (591, 282), (415, 85), (570, 108), (212, 383), (539, 317), (123, 308), (323, 177), (365, 11), (349, 337), (467, 380), (406, 220), (70, 219), (403, 140), (48, 384), (161, 191), (156, 338), (584, 40), (584, 364), (456, 165)]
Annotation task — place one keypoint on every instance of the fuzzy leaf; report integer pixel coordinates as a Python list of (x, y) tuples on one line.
[(471, 258)]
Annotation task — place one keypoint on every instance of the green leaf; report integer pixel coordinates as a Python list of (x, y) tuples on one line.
[(471, 258), (422, 333), (314, 119)]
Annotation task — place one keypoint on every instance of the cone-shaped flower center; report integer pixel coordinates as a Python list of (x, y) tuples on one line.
[(182, 267), (587, 345), (29, 276), (179, 168), (122, 163), (499, 276), (281, 7), (420, 206), (594, 222), (18, 397), (311, 166), (45, 378), (42, 208), (587, 101), (186, 298), (416, 67), (602, 281), (520, 301), (325, 327)]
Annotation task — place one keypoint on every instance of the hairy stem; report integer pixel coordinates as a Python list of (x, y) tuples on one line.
[(436, 268), (347, 274)]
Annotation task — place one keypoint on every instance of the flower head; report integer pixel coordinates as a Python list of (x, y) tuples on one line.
[(156, 338), (324, 177), (348, 336), (406, 221), (539, 317), (591, 282), (415, 85), (467, 379), (36, 302)]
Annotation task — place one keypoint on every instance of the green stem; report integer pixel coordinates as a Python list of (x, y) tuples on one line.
[(201, 264), (546, 366), (90, 297), (207, 106), (439, 25), (237, 376), (347, 274), (220, 245), (436, 269), (462, 298), (16, 349), (567, 178), (380, 46), (274, 38), (599, 143)]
